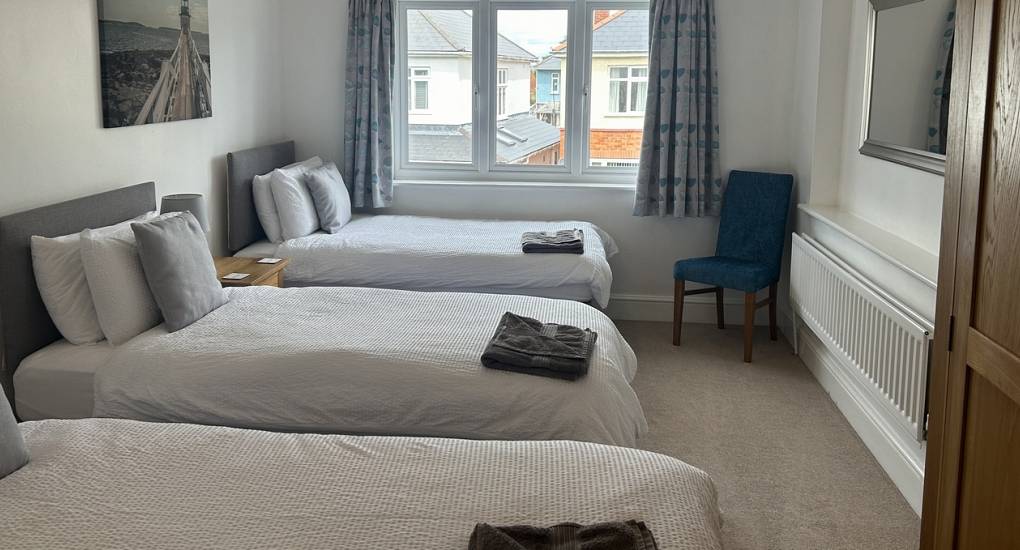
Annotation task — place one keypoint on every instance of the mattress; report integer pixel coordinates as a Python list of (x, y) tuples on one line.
[(120, 484), (56, 381), (370, 361), (419, 253)]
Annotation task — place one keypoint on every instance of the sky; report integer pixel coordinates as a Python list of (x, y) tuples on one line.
[(534, 30), (156, 13)]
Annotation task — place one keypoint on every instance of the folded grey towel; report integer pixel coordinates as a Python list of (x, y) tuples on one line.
[(631, 535), (528, 346), (566, 241)]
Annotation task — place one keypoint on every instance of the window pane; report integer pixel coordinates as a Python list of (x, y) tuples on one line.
[(531, 47), (638, 96), (618, 96), (619, 86), (421, 95), (440, 96)]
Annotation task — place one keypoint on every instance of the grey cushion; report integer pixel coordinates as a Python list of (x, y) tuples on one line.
[(179, 269), (330, 195), (13, 453)]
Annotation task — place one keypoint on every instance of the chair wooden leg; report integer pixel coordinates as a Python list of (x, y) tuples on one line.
[(749, 308), (719, 314), (678, 310), (773, 325)]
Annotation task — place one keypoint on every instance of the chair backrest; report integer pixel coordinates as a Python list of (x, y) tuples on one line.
[(754, 213)]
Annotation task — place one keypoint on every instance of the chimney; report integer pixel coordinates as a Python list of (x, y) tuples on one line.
[(600, 16)]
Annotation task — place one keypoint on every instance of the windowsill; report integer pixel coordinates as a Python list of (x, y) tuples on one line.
[(635, 114), (516, 185), (903, 254)]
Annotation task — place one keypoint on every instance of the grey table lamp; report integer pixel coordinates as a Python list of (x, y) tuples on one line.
[(187, 202)]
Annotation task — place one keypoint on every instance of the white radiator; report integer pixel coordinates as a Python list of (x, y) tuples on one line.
[(883, 346)]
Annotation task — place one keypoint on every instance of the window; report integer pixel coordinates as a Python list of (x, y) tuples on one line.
[(419, 89), (533, 107), (619, 88), (628, 89), (436, 128), (528, 126), (501, 85)]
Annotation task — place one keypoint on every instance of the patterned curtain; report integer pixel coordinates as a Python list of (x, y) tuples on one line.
[(368, 127), (938, 117), (679, 174)]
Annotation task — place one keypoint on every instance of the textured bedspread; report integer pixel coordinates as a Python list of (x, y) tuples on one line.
[(412, 252), (370, 361), (123, 484)]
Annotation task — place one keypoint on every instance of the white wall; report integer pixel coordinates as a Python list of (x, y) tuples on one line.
[(823, 31), (313, 58), (756, 57), (449, 90), (832, 53), (822, 35), (601, 117), (265, 88), (52, 144), (901, 200), (518, 88)]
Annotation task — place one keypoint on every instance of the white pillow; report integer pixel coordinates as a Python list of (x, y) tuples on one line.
[(294, 203), (60, 277), (265, 205), (124, 305)]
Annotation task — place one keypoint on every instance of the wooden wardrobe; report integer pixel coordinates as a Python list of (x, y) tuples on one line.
[(972, 478)]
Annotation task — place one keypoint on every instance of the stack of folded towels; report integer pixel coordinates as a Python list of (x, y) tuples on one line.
[(566, 241), (631, 535), (525, 345)]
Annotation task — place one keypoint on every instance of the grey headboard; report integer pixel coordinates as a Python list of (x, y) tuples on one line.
[(25, 326), (243, 227)]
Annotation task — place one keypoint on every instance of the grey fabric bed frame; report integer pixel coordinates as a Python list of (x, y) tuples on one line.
[(243, 227), (25, 325)]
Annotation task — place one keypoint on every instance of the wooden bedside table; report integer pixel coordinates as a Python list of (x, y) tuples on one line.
[(258, 274)]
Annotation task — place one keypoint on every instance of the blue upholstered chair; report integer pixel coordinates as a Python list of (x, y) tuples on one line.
[(749, 252)]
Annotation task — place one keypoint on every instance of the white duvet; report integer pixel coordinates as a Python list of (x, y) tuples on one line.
[(419, 253), (122, 484), (370, 361)]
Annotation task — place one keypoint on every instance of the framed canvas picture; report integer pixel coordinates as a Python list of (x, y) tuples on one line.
[(154, 61)]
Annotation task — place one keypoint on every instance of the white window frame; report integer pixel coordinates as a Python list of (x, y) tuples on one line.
[(631, 81), (575, 109), (412, 89), (554, 83)]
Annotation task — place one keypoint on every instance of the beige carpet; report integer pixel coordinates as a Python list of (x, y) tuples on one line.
[(791, 472)]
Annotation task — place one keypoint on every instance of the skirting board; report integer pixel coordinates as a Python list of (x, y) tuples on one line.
[(697, 309), (903, 461)]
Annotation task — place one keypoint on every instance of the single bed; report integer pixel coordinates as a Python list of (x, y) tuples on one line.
[(325, 360), (112, 483), (417, 253)]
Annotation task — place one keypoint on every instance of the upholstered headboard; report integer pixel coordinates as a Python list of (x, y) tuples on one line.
[(25, 326), (243, 227)]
